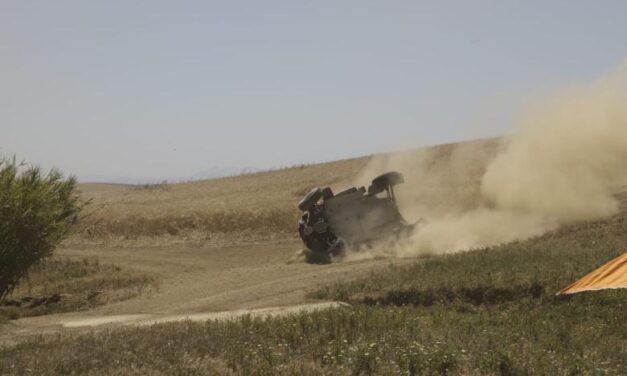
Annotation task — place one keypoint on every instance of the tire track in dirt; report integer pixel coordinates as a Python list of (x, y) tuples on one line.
[(202, 283)]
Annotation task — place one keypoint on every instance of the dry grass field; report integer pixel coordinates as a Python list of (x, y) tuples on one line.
[(227, 247), (484, 312), (250, 206), (217, 244), (257, 206)]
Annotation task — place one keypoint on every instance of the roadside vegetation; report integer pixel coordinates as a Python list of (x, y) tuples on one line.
[(64, 285), (36, 213), (488, 311)]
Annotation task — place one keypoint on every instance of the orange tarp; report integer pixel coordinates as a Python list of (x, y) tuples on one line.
[(612, 275)]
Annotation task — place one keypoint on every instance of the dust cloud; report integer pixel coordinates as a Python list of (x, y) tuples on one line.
[(561, 164)]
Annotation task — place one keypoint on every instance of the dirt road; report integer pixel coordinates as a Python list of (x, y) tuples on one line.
[(199, 283)]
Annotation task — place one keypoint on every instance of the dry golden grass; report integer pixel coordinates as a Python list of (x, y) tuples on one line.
[(264, 205), (252, 205)]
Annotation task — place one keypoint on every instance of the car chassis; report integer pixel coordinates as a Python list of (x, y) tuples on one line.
[(351, 218)]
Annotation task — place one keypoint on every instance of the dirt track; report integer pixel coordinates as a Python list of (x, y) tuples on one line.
[(204, 283)]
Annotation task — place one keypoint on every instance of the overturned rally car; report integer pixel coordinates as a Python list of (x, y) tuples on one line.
[(353, 217)]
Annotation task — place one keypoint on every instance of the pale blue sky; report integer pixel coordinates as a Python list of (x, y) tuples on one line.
[(165, 89)]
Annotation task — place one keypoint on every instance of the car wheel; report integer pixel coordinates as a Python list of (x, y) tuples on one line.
[(389, 179), (310, 199)]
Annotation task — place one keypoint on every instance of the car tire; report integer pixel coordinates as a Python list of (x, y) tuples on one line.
[(317, 257), (388, 180), (310, 199)]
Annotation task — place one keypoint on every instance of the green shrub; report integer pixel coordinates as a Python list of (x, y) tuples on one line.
[(36, 212)]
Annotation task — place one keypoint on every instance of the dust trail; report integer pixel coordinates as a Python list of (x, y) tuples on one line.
[(562, 164)]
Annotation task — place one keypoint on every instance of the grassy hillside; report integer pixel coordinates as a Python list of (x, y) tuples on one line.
[(259, 204), (262, 205), (489, 311), (535, 268)]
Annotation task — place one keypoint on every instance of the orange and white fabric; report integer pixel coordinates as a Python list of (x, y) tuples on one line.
[(612, 275)]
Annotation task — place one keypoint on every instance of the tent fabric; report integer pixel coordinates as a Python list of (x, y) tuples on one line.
[(612, 275)]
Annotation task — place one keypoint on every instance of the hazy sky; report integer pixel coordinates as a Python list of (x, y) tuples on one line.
[(166, 89)]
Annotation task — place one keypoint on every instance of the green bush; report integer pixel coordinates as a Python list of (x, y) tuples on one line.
[(36, 212)]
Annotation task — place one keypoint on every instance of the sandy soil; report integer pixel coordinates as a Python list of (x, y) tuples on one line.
[(201, 283)]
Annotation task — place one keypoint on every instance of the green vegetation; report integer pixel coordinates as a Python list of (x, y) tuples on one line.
[(361, 340), (64, 285), (490, 311), (36, 213)]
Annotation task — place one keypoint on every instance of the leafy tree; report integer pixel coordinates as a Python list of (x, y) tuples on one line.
[(36, 212)]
